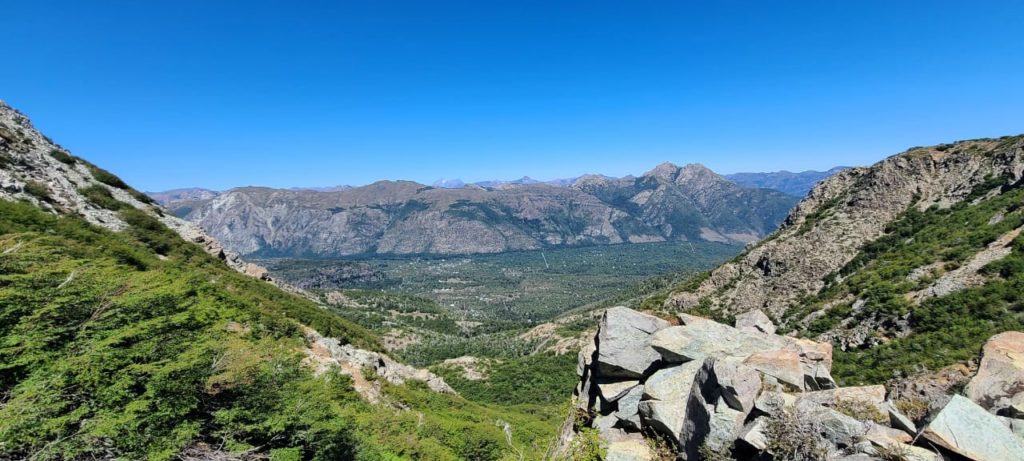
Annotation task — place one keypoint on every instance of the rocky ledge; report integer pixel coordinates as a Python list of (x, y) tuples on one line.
[(696, 389)]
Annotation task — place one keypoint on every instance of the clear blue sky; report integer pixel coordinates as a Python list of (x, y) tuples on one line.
[(229, 93)]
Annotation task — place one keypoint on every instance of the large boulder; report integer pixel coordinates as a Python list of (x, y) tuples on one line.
[(665, 393), (969, 430), (710, 421), (739, 384), (699, 338), (624, 343), (1000, 376)]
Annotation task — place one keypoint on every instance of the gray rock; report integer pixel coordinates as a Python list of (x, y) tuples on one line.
[(1016, 425), (739, 384), (613, 390), (700, 410), (665, 393), (783, 365), (700, 338), (630, 449), (772, 403), (967, 429), (755, 321), (624, 343), (1000, 375), (629, 408), (753, 434), (898, 420), (874, 395), (710, 420), (840, 430)]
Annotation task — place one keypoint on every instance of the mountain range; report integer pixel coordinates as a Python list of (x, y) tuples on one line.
[(795, 184), (668, 203)]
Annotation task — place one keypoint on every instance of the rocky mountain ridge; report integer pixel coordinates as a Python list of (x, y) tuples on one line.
[(402, 217), (842, 214), (795, 184)]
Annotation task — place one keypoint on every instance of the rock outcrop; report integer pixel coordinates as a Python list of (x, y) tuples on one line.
[(712, 390)]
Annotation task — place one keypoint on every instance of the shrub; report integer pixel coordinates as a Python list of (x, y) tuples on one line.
[(914, 408), (894, 452), (37, 190), (62, 156), (861, 410), (141, 197), (586, 446), (107, 177), (794, 437), (102, 197), (150, 231)]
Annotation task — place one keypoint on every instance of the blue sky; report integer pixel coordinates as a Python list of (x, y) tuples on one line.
[(221, 93)]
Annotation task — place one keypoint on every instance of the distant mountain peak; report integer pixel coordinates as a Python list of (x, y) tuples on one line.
[(666, 171)]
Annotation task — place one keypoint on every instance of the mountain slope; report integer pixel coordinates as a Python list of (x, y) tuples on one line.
[(120, 339), (906, 263), (795, 184), (401, 217)]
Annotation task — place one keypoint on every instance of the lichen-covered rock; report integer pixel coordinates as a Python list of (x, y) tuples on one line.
[(624, 343), (968, 430), (1000, 376)]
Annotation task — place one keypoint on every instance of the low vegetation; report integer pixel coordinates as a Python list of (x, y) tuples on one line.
[(943, 329), (140, 345), (63, 157)]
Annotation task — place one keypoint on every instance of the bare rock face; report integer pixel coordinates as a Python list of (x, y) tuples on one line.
[(999, 384), (844, 212)]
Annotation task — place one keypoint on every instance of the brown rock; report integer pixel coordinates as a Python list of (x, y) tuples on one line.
[(1001, 372)]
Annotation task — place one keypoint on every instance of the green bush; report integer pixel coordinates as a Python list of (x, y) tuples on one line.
[(107, 177), (37, 190), (62, 156), (102, 197)]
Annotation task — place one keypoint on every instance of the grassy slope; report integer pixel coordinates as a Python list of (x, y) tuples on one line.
[(138, 344), (945, 329)]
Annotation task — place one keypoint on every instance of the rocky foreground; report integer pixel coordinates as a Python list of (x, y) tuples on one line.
[(694, 389)]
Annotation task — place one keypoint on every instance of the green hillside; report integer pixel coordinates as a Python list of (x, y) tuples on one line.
[(137, 344)]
